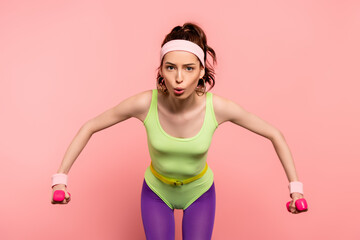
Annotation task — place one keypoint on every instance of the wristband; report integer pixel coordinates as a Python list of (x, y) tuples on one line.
[(59, 178), (296, 187)]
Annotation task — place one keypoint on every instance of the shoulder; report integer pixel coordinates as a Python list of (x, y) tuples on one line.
[(142, 99), (225, 108), (219, 104), (140, 104), (134, 106)]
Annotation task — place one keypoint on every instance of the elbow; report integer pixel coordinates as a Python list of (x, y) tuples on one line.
[(87, 129), (277, 134)]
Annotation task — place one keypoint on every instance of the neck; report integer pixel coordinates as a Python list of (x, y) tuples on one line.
[(180, 104)]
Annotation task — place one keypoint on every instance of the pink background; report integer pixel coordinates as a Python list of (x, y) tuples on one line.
[(293, 63)]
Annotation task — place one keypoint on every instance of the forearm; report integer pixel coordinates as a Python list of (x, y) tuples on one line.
[(74, 149), (284, 154)]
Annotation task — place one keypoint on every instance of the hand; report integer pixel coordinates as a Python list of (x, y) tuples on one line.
[(61, 187), (295, 196)]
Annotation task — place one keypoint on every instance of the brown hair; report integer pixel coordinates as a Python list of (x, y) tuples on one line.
[(191, 32)]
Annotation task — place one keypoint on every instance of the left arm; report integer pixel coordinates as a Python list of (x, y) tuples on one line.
[(227, 110)]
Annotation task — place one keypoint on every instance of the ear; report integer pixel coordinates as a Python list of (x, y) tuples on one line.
[(202, 72)]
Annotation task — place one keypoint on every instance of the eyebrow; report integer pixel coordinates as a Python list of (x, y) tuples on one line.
[(183, 64)]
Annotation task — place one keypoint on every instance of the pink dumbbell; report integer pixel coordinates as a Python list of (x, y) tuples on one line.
[(59, 195), (300, 204)]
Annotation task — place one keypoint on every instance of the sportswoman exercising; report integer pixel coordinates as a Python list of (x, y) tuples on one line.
[(180, 117)]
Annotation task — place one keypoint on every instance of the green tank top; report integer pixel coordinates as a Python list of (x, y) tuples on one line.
[(179, 158)]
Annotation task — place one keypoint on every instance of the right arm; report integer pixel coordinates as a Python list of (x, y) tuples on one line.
[(134, 106)]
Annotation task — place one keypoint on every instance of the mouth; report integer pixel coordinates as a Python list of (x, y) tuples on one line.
[(178, 90)]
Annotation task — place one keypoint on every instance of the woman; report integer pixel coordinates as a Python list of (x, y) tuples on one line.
[(180, 117)]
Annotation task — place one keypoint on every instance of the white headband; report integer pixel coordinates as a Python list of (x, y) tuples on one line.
[(184, 45)]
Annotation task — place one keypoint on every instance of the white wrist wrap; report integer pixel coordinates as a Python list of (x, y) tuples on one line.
[(296, 187), (59, 178)]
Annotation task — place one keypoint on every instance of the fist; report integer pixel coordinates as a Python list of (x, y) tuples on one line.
[(298, 204), (60, 195)]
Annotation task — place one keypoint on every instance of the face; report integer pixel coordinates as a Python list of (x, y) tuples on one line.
[(183, 70)]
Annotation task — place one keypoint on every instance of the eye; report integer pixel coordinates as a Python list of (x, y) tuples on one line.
[(190, 68), (169, 67)]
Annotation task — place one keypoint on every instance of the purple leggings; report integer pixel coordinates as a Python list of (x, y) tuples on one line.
[(159, 222)]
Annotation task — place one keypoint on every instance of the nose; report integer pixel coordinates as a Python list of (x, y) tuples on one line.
[(179, 77)]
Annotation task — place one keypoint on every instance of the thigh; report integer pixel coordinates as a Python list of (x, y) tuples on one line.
[(198, 218), (158, 218)]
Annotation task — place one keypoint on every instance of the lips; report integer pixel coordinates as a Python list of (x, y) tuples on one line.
[(178, 91)]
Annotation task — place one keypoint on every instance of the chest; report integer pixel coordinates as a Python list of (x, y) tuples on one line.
[(182, 125)]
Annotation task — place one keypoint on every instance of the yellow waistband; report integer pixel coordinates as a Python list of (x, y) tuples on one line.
[(177, 182)]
